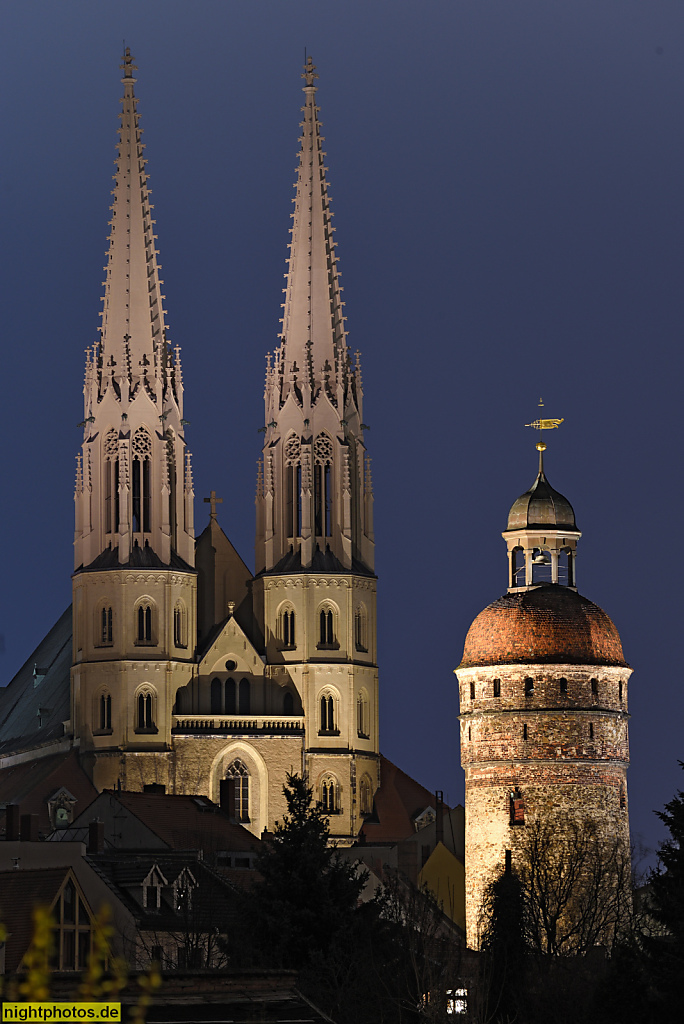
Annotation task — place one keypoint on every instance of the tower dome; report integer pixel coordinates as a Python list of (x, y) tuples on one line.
[(546, 625), (542, 505)]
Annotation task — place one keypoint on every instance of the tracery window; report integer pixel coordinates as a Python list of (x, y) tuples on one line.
[(293, 486), (361, 629), (180, 620), (144, 633), (239, 773), (141, 447), (365, 795), (105, 709), (329, 795), (363, 715), (286, 627), (145, 711), (111, 481), (323, 453), (328, 723), (327, 628)]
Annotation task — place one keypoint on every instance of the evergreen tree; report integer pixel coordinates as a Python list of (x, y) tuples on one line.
[(504, 946)]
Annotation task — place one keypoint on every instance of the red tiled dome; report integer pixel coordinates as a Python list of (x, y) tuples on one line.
[(548, 625)]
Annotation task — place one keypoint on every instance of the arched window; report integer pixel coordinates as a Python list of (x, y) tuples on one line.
[(363, 715), (106, 627), (541, 566), (105, 716), (288, 703), (231, 706), (518, 567), (328, 723), (565, 573), (323, 453), (293, 487), (529, 687), (111, 481), (327, 628), (238, 772), (286, 627), (180, 632), (329, 795), (365, 795), (144, 635), (216, 697), (244, 706), (141, 447), (145, 711), (563, 687), (360, 629)]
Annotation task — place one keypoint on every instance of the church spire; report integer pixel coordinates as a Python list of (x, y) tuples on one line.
[(134, 485), (314, 491)]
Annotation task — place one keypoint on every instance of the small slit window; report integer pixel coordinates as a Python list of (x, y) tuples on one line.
[(529, 687), (497, 687), (563, 687), (594, 687), (472, 691)]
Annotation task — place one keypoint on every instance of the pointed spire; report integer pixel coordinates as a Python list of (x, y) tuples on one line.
[(133, 332), (313, 325)]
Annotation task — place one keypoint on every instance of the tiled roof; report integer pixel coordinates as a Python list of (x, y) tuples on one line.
[(35, 703), (32, 783), (20, 892), (183, 822), (548, 625), (398, 801)]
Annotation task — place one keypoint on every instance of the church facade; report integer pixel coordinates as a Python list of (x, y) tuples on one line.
[(187, 670)]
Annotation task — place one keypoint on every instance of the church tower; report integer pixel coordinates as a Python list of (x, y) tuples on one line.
[(315, 587), (134, 585), (543, 698)]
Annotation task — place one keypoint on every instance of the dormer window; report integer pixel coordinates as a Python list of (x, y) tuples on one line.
[(152, 888)]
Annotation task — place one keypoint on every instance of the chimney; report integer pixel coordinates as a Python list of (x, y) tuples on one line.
[(12, 823), (439, 816), (227, 798), (154, 787), (95, 836), (28, 828)]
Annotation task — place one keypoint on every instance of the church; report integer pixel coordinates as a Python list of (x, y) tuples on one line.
[(178, 670), (177, 666)]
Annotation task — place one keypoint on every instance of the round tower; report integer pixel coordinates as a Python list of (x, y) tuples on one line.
[(543, 699)]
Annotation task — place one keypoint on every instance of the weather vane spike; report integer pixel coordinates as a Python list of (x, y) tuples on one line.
[(540, 425)]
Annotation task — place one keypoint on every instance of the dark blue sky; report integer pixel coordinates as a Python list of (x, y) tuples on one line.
[(507, 180)]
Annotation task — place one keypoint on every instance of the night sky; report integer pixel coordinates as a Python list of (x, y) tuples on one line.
[(507, 180)]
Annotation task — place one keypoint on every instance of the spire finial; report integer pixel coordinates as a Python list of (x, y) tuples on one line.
[(542, 424), (213, 501), (128, 67), (309, 73)]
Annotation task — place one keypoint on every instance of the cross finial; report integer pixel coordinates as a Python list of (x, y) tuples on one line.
[(213, 501)]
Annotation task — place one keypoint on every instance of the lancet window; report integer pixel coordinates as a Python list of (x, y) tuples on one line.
[(293, 487), (216, 696), (286, 627), (323, 453), (180, 625), (231, 706), (363, 715), (365, 795), (105, 712), (239, 773), (141, 448), (145, 711), (111, 481), (106, 627), (326, 621), (329, 795), (361, 629), (288, 703), (328, 717), (144, 624), (244, 696)]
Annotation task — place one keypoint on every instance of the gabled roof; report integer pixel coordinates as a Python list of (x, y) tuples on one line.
[(186, 822), (34, 705), (398, 802), (32, 783), (224, 641)]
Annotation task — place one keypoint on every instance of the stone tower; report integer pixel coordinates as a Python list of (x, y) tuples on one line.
[(543, 698), (134, 585), (315, 588)]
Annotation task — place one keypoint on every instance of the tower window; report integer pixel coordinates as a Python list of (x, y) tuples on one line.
[(591, 730), (288, 703), (328, 724), (623, 797), (516, 808), (620, 690), (327, 628), (287, 627), (365, 796), (360, 629), (472, 691), (329, 800), (362, 715), (144, 624), (180, 638), (529, 687), (239, 773), (469, 733), (141, 480), (106, 627), (497, 687), (594, 687), (105, 712), (518, 568), (145, 711), (524, 732), (563, 687), (244, 697)]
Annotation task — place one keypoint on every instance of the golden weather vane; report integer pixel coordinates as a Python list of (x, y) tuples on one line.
[(540, 425)]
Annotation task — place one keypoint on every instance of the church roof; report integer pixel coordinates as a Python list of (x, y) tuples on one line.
[(549, 624), (322, 561), (35, 704), (141, 558)]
